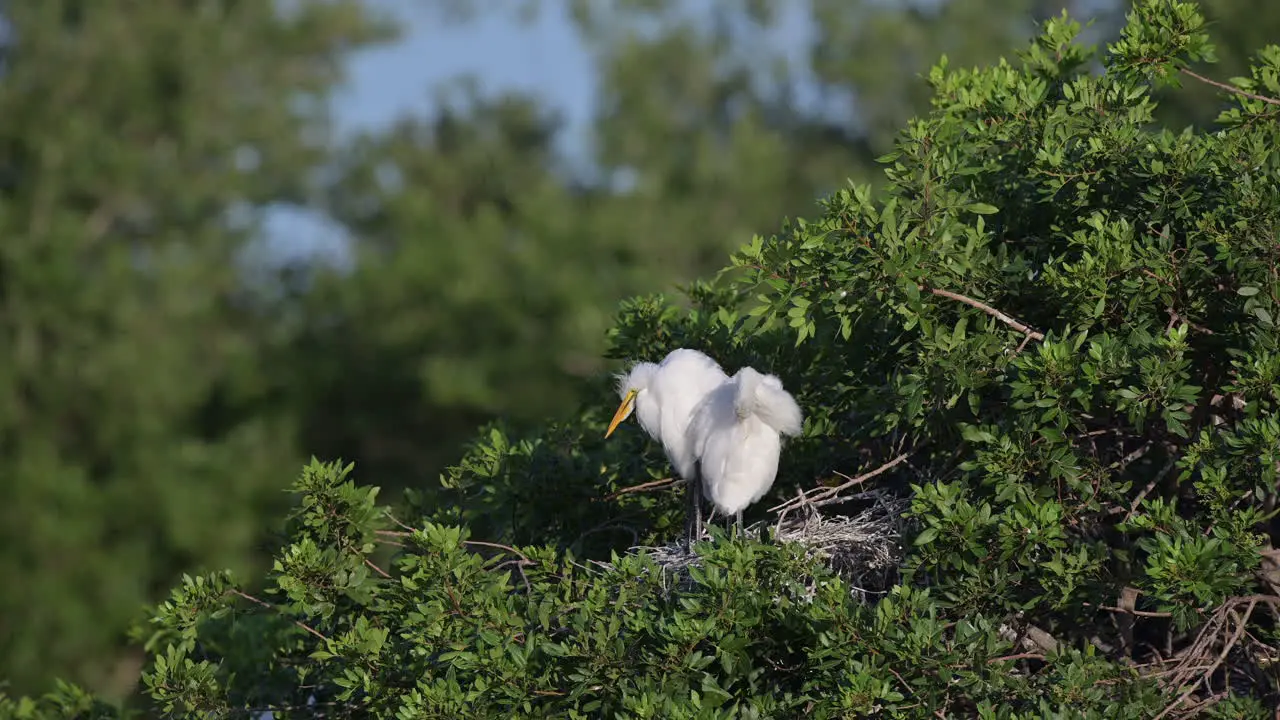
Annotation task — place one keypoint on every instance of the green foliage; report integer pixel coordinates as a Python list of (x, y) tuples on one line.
[(153, 404), (461, 630), (1059, 310), (64, 701)]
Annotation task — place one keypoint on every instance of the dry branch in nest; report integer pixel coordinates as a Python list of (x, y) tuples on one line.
[(1223, 657), (863, 550)]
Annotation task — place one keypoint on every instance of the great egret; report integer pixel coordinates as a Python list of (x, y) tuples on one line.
[(663, 397), (736, 432)]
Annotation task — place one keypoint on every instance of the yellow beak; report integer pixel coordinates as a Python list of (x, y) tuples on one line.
[(628, 404)]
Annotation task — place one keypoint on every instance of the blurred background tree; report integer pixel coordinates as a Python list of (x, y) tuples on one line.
[(137, 145), (166, 373)]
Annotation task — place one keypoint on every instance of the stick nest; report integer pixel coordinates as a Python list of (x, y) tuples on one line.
[(863, 549)]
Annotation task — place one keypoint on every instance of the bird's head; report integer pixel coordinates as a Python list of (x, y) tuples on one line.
[(631, 387), (624, 410)]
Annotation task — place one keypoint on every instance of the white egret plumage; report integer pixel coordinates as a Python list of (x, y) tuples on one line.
[(736, 432), (663, 397)]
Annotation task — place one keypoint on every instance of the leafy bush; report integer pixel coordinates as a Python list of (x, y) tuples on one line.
[(1057, 331)]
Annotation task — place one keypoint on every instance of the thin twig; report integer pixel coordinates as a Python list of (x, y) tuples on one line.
[(1243, 623), (651, 486), (1175, 317), (1137, 613), (1016, 656), (1022, 345), (265, 604), (499, 546), (842, 499), (377, 569), (519, 565), (1230, 88), (1163, 281), (478, 543), (1133, 507), (1024, 329), (1211, 700), (1096, 433), (396, 520), (822, 493), (1131, 458), (803, 502)]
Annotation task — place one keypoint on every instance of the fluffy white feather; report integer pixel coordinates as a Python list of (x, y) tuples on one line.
[(664, 396), (736, 431)]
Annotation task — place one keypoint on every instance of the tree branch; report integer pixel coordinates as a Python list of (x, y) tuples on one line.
[(1024, 329), (1242, 622), (824, 492), (1016, 656), (1230, 88), (650, 486), (265, 604), (498, 546), (1135, 613), (377, 569)]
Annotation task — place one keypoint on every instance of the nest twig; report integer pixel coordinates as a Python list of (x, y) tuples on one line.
[(863, 549), (1225, 634), (823, 495)]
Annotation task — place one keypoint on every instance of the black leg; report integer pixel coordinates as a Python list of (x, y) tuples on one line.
[(693, 512), (697, 512)]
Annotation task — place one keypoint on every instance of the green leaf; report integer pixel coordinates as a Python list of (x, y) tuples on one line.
[(926, 536)]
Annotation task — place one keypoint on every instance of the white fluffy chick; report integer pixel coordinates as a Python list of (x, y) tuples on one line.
[(663, 397), (737, 434)]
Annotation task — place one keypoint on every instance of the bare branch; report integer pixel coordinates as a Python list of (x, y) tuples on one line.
[(823, 492), (1131, 458), (1031, 638), (1024, 329), (1242, 623), (377, 569), (268, 605), (1229, 88), (1135, 613), (499, 546), (1133, 507), (651, 486), (394, 519), (1016, 656)]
